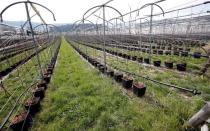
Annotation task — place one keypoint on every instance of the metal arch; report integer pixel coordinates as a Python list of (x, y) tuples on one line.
[(45, 24), (115, 10), (144, 6), (25, 3), (90, 10), (56, 29), (160, 8), (74, 24), (100, 7)]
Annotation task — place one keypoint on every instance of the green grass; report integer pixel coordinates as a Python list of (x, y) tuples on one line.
[(80, 98)]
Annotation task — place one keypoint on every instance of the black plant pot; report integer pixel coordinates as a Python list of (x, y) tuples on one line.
[(157, 63), (197, 54), (47, 78), (50, 70), (143, 50), (176, 53), (147, 60), (95, 63), (184, 53), (118, 77), (127, 82), (120, 54), (134, 58), (139, 89), (33, 105), (99, 65), (102, 69), (110, 73), (42, 84), (154, 51), (160, 52), (180, 49), (3, 73), (181, 66), (21, 122), (39, 92), (168, 52), (140, 59), (124, 55), (169, 64)]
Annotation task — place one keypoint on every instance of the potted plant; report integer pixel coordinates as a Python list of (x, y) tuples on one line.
[(124, 55), (181, 65), (140, 59), (110, 73), (120, 54), (169, 64), (47, 78), (102, 68), (21, 122), (96, 63), (118, 76), (160, 52), (147, 60), (197, 54), (127, 82), (184, 53), (157, 62), (42, 84), (33, 104), (134, 58), (50, 70), (139, 89), (143, 50), (39, 92), (154, 51), (128, 57), (176, 53), (168, 52)]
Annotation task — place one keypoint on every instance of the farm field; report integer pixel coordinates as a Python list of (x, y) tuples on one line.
[(100, 103), (105, 65)]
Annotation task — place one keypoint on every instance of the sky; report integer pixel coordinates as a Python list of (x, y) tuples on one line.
[(69, 11)]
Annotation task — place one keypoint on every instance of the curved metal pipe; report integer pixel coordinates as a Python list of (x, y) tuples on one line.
[(25, 2), (99, 6)]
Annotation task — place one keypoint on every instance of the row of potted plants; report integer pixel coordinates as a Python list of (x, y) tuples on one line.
[(32, 105), (127, 82), (169, 51), (181, 66)]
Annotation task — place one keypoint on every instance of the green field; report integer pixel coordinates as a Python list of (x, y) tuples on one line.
[(81, 98)]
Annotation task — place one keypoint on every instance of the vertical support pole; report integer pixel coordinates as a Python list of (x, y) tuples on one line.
[(104, 33), (33, 38), (48, 35), (140, 42), (150, 32)]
